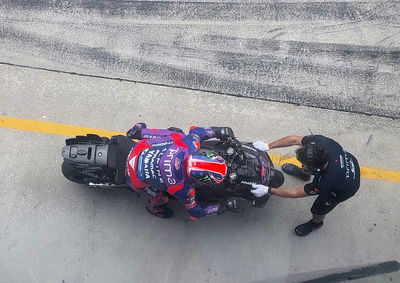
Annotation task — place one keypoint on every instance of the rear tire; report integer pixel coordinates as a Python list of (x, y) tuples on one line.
[(70, 173)]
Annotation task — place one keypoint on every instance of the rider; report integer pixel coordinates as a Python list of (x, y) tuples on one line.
[(166, 161)]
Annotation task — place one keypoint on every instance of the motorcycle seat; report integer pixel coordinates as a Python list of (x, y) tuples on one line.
[(118, 152)]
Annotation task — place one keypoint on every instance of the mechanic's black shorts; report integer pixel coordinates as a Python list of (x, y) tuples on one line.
[(326, 202)]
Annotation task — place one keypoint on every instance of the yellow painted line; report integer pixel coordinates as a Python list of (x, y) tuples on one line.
[(380, 174), (51, 128), (71, 131), (366, 172)]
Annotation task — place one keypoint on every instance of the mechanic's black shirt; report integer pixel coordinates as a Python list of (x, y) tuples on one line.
[(341, 178)]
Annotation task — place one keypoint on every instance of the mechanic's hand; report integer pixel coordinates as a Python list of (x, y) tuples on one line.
[(135, 131), (259, 190), (223, 133), (260, 145)]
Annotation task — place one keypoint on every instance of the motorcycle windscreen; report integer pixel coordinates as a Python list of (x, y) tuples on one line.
[(256, 168)]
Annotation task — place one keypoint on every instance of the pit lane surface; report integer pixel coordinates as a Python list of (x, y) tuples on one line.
[(54, 230)]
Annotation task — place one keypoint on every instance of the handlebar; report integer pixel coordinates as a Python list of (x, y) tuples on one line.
[(237, 146)]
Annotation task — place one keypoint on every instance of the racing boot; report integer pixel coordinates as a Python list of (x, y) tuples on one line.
[(161, 211), (306, 228), (296, 171)]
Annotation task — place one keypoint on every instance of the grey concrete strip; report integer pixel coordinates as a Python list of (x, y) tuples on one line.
[(335, 55), (53, 230), (216, 10)]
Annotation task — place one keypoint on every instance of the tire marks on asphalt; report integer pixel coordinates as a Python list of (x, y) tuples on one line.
[(240, 49)]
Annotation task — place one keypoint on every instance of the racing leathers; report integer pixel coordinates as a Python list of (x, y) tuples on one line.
[(156, 165)]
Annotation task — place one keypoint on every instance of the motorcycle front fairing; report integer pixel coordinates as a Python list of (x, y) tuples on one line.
[(254, 167)]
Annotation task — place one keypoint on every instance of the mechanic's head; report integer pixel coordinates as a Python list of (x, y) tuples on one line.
[(312, 156), (206, 170)]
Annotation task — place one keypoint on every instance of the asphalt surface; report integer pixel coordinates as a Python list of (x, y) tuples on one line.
[(52, 230), (340, 55)]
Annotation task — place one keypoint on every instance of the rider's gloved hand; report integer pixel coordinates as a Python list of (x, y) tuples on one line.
[(260, 145), (175, 129), (231, 204), (223, 133), (259, 190), (135, 131)]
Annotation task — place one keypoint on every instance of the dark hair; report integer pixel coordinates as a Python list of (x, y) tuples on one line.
[(318, 154)]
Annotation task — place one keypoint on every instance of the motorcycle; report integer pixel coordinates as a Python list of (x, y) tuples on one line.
[(100, 162)]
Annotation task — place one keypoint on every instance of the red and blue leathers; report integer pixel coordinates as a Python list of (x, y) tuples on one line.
[(157, 164)]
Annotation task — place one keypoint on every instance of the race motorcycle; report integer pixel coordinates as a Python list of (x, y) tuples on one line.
[(100, 162)]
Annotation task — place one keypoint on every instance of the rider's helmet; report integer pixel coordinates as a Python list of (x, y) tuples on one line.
[(206, 169)]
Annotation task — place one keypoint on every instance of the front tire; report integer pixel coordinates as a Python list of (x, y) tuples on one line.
[(277, 180)]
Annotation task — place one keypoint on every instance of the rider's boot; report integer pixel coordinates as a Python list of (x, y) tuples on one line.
[(161, 211)]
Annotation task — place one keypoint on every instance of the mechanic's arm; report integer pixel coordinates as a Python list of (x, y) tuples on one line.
[(286, 141), (297, 192), (283, 142)]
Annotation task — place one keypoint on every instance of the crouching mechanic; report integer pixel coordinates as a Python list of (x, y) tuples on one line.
[(336, 175), (167, 161)]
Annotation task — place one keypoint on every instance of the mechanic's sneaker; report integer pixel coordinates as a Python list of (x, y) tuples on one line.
[(164, 212), (306, 228), (296, 171)]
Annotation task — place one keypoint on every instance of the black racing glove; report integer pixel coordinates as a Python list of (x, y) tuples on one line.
[(174, 129), (136, 131), (223, 133), (231, 204)]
